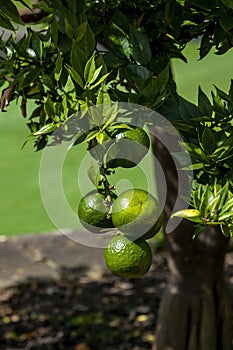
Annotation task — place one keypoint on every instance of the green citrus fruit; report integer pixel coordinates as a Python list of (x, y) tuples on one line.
[(126, 258), (137, 213), (130, 146), (93, 212)]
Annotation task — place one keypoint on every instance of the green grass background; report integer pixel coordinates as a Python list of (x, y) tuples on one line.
[(21, 207)]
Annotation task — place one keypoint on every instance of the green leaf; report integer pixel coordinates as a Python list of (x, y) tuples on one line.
[(58, 66), (199, 228), (96, 117), (96, 74), (208, 141), (36, 44), (69, 88), (222, 94), (230, 92), (90, 69), (224, 152), (225, 216), (189, 214), (103, 97), (153, 87), (120, 126), (54, 31), (5, 23), (9, 11), (75, 75), (100, 137), (121, 20), (219, 106), (137, 74), (225, 230), (47, 80), (140, 46), (206, 197), (227, 207), (194, 151), (24, 3), (49, 107), (213, 206), (187, 109), (92, 174), (196, 198), (225, 19), (206, 45), (85, 39), (99, 81), (46, 129), (111, 115), (204, 105), (228, 3), (31, 77), (78, 58), (69, 30), (80, 137), (223, 193), (91, 135), (120, 39), (196, 166)]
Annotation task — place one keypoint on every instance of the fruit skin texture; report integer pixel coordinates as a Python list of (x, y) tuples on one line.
[(130, 146), (126, 258), (137, 214), (93, 212)]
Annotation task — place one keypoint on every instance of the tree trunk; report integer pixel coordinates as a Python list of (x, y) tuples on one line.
[(195, 312)]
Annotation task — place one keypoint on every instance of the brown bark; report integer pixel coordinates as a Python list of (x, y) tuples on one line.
[(195, 312)]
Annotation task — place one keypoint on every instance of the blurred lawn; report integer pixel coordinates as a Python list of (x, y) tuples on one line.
[(21, 208)]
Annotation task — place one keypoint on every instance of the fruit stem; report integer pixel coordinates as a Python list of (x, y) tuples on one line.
[(104, 179)]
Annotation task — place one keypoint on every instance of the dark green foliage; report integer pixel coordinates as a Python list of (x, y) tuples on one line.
[(140, 38), (92, 52)]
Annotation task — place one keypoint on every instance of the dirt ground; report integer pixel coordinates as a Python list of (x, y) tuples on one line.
[(111, 313)]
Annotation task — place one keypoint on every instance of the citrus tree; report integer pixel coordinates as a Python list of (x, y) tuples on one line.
[(77, 55)]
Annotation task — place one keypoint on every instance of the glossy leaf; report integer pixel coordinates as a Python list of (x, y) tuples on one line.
[(49, 107), (36, 44), (100, 81), (189, 214), (90, 69), (75, 75), (219, 106), (46, 129), (208, 141), (140, 46), (9, 11), (96, 75)]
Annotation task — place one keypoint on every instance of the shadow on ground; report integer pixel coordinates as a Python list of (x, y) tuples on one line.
[(111, 313), (85, 314)]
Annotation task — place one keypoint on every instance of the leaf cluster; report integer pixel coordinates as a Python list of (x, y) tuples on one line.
[(90, 52), (208, 137), (213, 205)]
